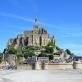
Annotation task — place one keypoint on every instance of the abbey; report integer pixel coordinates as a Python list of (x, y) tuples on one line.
[(36, 37)]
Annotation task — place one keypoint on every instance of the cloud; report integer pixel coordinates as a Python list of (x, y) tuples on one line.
[(77, 34), (30, 20), (17, 17), (52, 27)]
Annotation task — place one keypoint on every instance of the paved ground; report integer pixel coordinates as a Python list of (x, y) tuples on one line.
[(41, 76)]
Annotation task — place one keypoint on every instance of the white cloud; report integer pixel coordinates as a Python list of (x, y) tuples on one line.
[(16, 16), (30, 20), (77, 34)]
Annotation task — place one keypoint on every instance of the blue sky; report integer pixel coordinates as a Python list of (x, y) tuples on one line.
[(62, 18)]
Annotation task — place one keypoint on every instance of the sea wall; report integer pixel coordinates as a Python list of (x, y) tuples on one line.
[(52, 66), (48, 66), (79, 66)]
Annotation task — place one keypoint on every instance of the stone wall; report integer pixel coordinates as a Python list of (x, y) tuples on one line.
[(48, 66), (79, 66), (24, 67), (52, 66)]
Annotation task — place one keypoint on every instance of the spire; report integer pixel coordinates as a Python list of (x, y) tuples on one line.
[(36, 21), (36, 29)]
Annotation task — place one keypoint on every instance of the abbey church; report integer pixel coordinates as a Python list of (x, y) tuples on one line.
[(36, 37)]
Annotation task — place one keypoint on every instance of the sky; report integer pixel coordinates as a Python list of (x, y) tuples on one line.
[(61, 18)]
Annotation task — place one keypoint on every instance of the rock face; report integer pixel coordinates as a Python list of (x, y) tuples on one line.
[(10, 59), (37, 37)]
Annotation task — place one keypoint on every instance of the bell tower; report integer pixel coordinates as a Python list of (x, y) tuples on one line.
[(36, 28)]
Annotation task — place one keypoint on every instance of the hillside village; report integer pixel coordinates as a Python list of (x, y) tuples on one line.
[(37, 42)]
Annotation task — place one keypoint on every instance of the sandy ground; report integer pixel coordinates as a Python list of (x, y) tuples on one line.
[(41, 76)]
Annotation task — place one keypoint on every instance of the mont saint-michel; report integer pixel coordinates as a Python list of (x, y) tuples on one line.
[(36, 37), (40, 40), (37, 49)]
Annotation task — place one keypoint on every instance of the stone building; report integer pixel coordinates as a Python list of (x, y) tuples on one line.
[(36, 37)]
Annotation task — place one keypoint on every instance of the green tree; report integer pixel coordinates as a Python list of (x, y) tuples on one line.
[(33, 47), (43, 54), (51, 57), (12, 51), (58, 48), (51, 44), (1, 57), (29, 53), (30, 47), (49, 49), (69, 52), (4, 51), (19, 51)]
